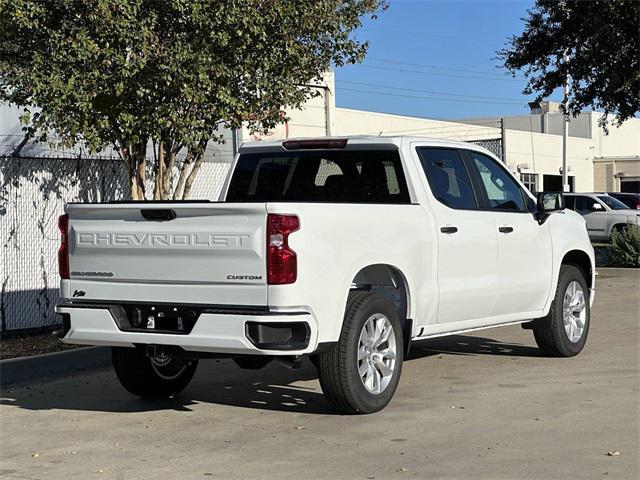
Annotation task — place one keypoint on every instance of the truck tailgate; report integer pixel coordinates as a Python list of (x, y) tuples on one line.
[(205, 253)]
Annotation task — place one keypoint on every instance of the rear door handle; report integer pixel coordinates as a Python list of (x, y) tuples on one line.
[(505, 229), (448, 229)]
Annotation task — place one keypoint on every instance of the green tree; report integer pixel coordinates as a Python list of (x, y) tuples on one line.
[(129, 73), (602, 43), (625, 247)]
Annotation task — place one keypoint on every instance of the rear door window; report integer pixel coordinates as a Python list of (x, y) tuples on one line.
[(584, 203), (448, 177), (336, 176)]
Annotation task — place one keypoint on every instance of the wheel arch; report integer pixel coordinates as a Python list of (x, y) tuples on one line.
[(391, 282), (581, 260)]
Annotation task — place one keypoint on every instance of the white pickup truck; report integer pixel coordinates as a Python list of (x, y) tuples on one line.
[(343, 249)]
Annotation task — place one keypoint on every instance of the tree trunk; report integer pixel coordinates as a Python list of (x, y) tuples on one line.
[(134, 156), (184, 168), (134, 159), (141, 168), (198, 159), (133, 187), (160, 173), (170, 158)]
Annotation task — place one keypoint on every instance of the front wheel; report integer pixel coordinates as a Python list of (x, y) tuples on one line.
[(152, 377), (361, 373), (563, 332)]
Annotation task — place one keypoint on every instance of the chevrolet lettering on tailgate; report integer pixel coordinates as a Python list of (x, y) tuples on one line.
[(162, 240)]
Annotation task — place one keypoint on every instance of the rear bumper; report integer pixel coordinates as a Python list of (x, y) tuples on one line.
[(223, 333)]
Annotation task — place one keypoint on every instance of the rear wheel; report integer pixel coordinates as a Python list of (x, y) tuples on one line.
[(361, 373), (563, 332), (160, 376)]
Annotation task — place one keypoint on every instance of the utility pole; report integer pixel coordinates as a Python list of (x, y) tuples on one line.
[(503, 136), (565, 132)]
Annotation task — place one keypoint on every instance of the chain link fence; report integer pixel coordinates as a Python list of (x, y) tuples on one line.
[(494, 145), (33, 192)]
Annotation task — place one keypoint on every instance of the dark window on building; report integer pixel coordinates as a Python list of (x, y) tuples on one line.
[(530, 180), (553, 183)]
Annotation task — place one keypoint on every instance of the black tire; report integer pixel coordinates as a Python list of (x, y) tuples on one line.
[(141, 377), (338, 368), (549, 332), (252, 362)]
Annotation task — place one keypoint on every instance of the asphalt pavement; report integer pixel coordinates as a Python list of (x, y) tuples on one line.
[(480, 406)]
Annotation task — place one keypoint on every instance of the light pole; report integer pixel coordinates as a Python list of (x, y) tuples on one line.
[(565, 131)]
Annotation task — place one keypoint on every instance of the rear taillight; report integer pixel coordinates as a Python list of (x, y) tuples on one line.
[(63, 251), (282, 264)]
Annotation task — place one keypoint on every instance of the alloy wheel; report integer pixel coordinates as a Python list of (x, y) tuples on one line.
[(574, 311), (376, 353)]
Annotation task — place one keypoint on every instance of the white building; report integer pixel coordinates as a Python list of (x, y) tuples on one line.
[(530, 144), (596, 161)]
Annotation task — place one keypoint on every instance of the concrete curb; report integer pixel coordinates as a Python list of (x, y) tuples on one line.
[(15, 371)]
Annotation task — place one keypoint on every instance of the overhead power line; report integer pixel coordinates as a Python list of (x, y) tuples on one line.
[(389, 94), (434, 67), (422, 72), (429, 91)]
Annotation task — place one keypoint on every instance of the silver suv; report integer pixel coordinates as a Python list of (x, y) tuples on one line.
[(602, 212)]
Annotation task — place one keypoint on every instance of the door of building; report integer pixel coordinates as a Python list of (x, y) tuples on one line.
[(553, 183)]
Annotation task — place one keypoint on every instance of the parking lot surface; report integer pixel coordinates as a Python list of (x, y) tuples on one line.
[(478, 406)]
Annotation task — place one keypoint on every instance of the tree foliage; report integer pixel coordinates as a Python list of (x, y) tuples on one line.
[(124, 73), (602, 41), (625, 247)]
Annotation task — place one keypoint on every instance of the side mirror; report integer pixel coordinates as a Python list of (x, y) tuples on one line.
[(550, 202), (596, 206)]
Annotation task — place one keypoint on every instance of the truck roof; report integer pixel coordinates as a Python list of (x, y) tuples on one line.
[(361, 140)]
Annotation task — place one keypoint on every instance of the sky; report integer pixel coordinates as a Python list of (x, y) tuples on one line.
[(442, 50)]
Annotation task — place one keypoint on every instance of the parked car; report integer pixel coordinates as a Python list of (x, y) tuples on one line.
[(602, 212), (344, 250), (631, 200)]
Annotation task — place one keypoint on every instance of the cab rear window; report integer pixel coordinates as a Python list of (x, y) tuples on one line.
[(368, 176)]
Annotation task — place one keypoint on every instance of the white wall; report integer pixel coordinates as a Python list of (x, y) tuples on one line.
[(623, 141), (314, 120), (359, 122), (543, 153)]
